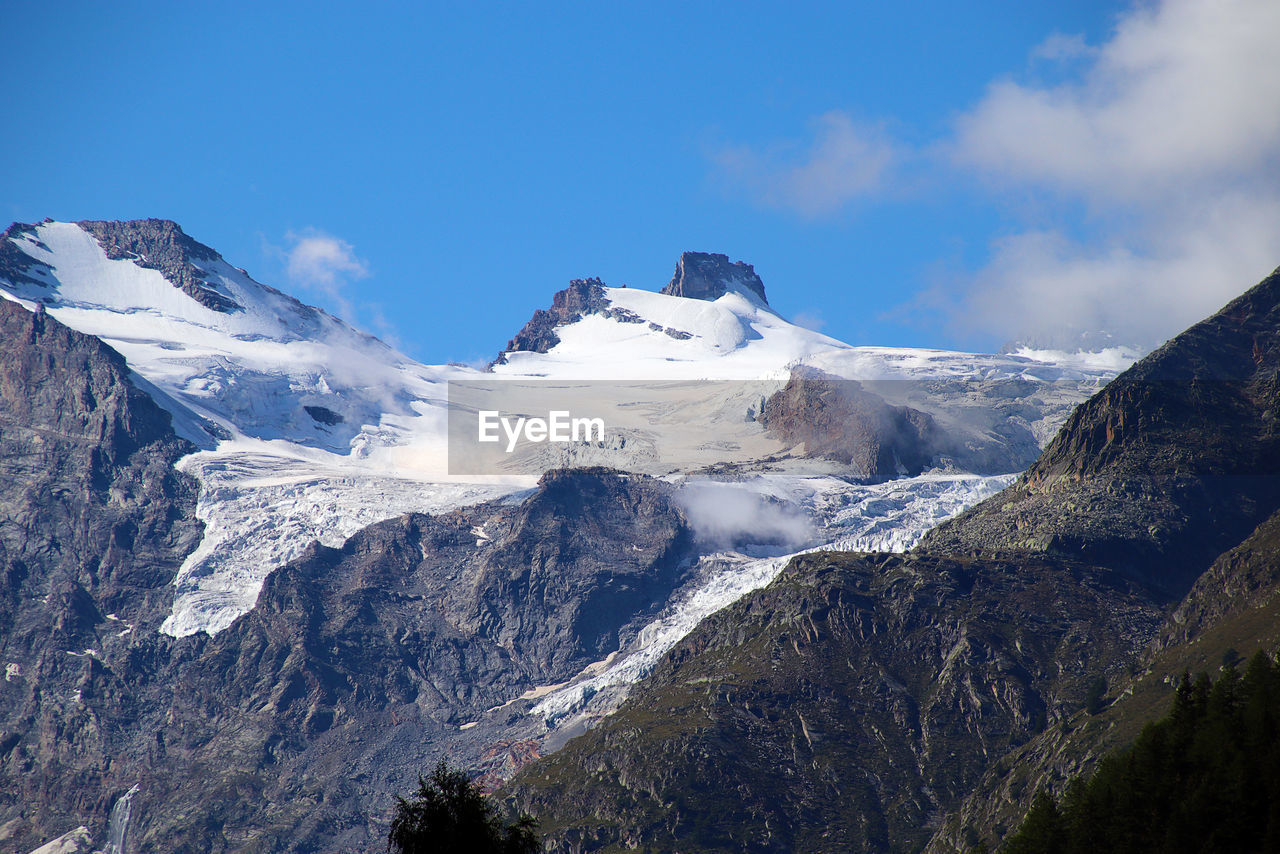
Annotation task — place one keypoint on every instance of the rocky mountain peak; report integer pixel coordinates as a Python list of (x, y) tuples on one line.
[(161, 244), (17, 266), (710, 275), (583, 296)]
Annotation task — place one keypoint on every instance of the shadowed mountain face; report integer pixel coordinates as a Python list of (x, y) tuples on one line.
[(94, 522), (361, 666), (1231, 612), (160, 244), (583, 296), (858, 699)]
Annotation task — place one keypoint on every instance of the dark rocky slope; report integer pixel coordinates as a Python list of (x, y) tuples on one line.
[(890, 428), (161, 244), (94, 522), (840, 709), (361, 666), (1231, 612), (1167, 468), (17, 266)]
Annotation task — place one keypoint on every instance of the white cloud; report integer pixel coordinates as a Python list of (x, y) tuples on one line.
[(726, 516), (1044, 287), (320, 260), (1170, 137), (1186, 91), (323, 263), (842, 162)]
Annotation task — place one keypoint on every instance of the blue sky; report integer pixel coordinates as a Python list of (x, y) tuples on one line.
[(942, 174)]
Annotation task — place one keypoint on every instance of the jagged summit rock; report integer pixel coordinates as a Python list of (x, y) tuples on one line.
[(583, 296), (699, 275), (15, 265), (710, 275)]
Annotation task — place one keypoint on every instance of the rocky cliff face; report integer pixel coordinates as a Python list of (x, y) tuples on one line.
[(839, 420), (699, 275), (361, 666), (890, 428), (15, 265), (583, 296), (710, 275), (1231, 612), (94, 522)]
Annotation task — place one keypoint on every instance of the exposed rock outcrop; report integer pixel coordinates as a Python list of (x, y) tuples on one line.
[(583, 296), (890, 428), (161, 244), (1171, 464), (94, 523), (710, 275), (837, 419), (17, 266), (699, 275)]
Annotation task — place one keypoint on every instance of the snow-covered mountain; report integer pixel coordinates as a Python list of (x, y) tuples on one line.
[(310, 430), (487, 616), (252, 363)]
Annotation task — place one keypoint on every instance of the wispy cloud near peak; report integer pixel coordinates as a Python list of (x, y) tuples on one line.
[(320, 260), (841, 162)]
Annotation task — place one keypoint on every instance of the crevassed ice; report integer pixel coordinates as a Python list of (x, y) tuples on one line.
[(887, 517), (261, 512)]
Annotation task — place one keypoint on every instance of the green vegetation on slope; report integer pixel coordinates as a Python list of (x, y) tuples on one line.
[(1204, 778)]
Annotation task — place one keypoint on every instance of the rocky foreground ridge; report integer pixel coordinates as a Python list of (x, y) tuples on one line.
[(94, 521)]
